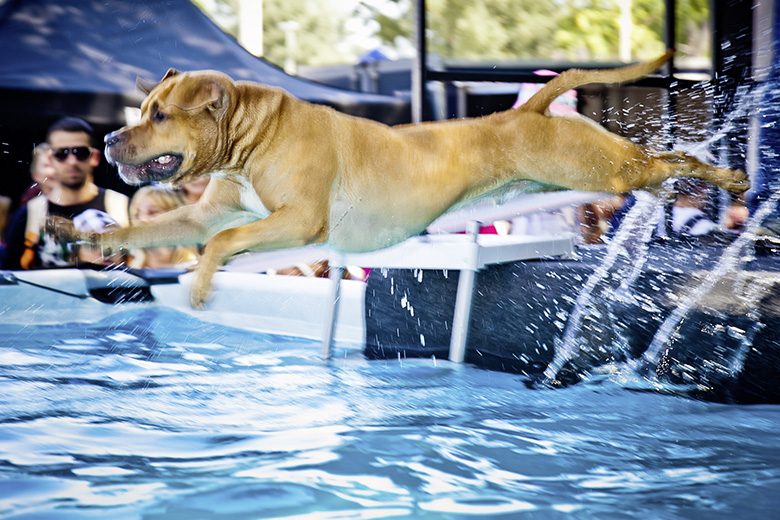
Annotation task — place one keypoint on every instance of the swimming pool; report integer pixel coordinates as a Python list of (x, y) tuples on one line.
[(154, 413)]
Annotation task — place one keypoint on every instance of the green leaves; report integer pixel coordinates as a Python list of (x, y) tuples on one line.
[(481, 30)]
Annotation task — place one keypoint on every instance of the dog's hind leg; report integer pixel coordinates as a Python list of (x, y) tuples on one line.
[(679, 164)]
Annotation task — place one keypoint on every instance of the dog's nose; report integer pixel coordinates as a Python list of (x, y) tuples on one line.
[(113, 138)]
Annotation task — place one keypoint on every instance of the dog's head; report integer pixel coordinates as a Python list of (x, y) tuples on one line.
[(182, 131)]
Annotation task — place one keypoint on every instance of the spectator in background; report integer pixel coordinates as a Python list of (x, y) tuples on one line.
[(688, 218), (147, 203), (588, 221), (42, 172), (591, 219), (735, 217), (74, 196), (44, 178)]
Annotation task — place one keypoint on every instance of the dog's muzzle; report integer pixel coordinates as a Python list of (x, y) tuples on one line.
[(111, 140), (158, 168)]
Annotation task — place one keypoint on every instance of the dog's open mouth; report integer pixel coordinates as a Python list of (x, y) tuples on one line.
[(161, 168)]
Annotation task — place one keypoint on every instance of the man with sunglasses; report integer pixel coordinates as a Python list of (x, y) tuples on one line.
[(75, 197)]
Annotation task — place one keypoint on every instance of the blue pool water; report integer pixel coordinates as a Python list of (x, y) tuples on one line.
[(153, 414)]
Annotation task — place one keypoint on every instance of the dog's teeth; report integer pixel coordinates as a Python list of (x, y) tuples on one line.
[(164, 159)]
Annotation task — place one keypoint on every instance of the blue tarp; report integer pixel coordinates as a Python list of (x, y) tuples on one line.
[(97, 48)]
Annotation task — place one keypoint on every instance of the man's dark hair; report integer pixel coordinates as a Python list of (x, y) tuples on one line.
[(70, 124)]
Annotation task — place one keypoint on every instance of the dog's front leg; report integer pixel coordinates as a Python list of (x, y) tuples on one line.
[(186, 225), (218, 209), (285, 227), (182, 226)]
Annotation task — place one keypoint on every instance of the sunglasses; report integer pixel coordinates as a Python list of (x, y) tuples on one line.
[(81, 153)]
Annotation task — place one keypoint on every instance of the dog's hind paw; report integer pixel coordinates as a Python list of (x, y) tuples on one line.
[(738, 183)]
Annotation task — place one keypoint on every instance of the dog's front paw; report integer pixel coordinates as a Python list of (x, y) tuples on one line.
[(61, 229), (199, 293)]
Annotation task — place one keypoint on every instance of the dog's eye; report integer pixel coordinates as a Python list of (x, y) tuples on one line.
[(158, 116)]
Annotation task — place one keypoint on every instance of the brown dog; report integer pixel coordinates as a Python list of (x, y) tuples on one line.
[(291, 173)]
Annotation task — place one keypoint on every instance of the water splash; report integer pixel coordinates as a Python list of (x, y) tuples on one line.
[(753, 293), (640, 218), (729, 261), (639, 225), (746, 99)]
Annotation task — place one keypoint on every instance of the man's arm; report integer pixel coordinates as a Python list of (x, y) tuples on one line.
[(14, 240), (5, 209)]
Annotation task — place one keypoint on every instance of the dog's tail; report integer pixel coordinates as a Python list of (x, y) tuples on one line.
[(574, 78)]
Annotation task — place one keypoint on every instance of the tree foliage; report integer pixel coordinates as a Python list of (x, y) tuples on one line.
[(480, 29), (320, 35), (321, 31), (555, 29)]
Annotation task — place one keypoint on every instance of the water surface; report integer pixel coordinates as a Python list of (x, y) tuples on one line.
[(153, 414)]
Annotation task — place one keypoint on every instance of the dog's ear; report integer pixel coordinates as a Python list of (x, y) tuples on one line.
[(217, 96), (145, 85), (169, 74)]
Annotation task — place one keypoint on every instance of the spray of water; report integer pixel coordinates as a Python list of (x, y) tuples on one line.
[(639, 222), (729, 261), (745, 100), (637, 219), (752, 293)]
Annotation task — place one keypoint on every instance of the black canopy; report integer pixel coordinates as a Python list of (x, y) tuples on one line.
[(81, 57)]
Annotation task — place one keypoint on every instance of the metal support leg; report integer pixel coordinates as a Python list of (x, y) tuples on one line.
[(462, 315), (463, 301), (335, 275)]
